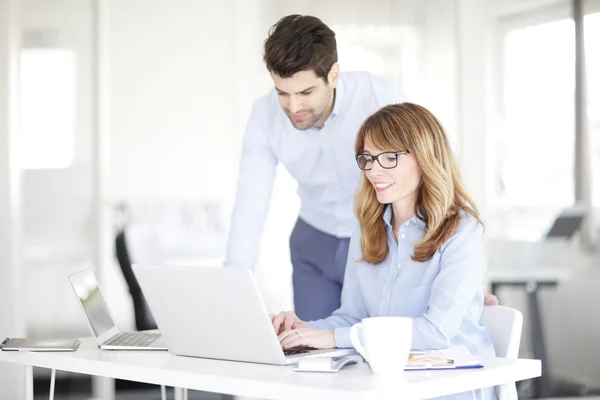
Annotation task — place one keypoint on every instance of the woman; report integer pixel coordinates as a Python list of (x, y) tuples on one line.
[(418, 249)]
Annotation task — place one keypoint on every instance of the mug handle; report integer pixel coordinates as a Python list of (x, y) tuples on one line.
[(355, 339)]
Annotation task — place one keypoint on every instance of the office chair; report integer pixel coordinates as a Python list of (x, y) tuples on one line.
[(504, 325), (143, 317)]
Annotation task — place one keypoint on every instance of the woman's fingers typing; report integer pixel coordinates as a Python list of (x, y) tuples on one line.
[(284, 321), (290, 321), (289, 339), (277, 320), (316, 338)]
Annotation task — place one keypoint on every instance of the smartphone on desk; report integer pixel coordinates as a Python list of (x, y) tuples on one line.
[(24, 344)]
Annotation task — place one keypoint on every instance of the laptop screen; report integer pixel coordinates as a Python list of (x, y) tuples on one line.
[(93, 304)]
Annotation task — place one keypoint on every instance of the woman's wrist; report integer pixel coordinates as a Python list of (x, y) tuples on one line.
[(332, 342)]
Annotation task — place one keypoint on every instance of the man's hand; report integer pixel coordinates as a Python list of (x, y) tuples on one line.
[(285, 321), (490, 300), (315, 338)]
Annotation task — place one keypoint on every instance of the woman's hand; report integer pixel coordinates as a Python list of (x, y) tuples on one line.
[(285, 321), (490, 300), (315, 338)]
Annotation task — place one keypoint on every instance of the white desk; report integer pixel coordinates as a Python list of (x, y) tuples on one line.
[(538, 273), (273, 382)]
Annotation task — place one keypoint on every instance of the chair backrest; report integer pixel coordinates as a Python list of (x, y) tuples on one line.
[(504, 325), (143, 317)]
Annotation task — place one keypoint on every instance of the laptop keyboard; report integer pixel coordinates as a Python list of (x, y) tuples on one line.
[(296, 350), (133, 339)]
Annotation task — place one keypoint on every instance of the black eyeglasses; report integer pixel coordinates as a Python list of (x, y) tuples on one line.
[(387, 160)]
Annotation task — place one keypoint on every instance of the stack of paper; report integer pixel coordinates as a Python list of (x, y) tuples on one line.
[(457, 357)]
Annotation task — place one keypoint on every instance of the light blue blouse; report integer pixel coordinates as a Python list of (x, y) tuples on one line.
[(444, 295)]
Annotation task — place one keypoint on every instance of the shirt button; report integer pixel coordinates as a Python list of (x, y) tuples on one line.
[(403, 235)]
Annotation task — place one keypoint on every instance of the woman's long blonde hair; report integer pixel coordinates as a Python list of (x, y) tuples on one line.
[(441, 195)]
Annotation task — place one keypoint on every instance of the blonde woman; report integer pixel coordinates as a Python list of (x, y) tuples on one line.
[(417, 250)]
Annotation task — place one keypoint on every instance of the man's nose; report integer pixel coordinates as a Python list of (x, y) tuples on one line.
[(295, 104)]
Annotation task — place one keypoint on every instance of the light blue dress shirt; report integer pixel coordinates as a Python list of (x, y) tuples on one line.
[(444, 295), (320, 160)]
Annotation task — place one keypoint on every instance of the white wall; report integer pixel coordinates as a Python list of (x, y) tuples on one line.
[(172, 99), (67, 191), (58, 236), (473, 39), (439, 62), (502, 8), (348, 12), (182, 81), (11, 318), (67, 25), (184, 76), (173, 124)]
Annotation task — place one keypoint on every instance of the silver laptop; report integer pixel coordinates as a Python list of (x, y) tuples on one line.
[(100, 321), (216, 312)]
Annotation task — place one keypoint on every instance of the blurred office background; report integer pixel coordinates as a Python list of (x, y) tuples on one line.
[(128, 116)]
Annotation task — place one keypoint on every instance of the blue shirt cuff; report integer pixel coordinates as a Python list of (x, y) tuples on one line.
[(315, 324), (342, 338)]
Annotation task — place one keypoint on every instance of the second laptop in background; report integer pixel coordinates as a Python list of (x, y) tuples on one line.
[(100, 321)]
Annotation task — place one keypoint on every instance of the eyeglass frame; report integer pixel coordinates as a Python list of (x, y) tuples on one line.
[(376, 158)]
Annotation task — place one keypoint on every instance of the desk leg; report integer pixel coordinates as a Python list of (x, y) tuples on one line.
[(103, 388), (181, 394), (29, 382), (543, 383)]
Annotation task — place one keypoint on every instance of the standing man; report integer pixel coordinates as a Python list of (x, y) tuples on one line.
[(309, 124)]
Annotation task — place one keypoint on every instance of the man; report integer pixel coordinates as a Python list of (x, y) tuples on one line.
[(309, 124)]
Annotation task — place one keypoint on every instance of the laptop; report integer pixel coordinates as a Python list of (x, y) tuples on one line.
[(216, 312), (100, 321), (567, 223)]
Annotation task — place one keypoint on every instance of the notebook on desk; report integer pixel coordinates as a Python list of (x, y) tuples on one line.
[(27, 344), (457, 357)]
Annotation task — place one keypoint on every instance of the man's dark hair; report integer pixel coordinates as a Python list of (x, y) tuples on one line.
[(299, 43)]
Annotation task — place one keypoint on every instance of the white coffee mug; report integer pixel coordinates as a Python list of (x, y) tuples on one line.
[(384, 342)]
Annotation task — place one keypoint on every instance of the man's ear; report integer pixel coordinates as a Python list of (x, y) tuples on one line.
[(334, 75)]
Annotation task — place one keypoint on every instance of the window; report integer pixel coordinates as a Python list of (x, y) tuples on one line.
[(592, 53), (47, 107), (387, 50), (534, 142), (538, 144)]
